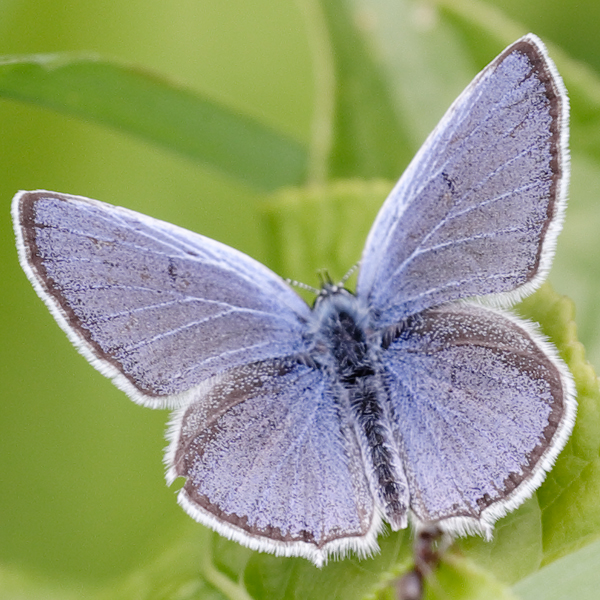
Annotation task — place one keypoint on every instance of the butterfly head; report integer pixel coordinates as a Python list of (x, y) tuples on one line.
[(334, 300), (330, 291)]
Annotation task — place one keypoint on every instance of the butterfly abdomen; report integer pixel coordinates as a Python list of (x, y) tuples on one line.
[(353, 359)]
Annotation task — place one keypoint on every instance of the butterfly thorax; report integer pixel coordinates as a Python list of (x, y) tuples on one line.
[(345, 344), (342, 330)]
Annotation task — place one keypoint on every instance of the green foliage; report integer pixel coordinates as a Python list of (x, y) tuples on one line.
[(155, 108), (385, 71)]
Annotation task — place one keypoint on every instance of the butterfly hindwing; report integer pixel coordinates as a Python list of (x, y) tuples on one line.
[(482, 406), (270, 460), (478, 210)]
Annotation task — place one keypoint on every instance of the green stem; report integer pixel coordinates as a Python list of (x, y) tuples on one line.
[(230, 589), (324, 76)]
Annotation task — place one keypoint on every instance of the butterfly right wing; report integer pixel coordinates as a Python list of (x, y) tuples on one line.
[(272, 462), (155, 307)]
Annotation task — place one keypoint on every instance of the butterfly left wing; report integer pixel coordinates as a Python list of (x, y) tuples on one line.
[(272, 462), (482, 407), (156, 308), (478, 209)]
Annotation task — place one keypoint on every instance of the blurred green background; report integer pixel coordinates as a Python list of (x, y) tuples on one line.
[(81, 470)]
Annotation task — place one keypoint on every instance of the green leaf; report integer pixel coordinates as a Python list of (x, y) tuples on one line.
[(334, 219), (516, 549), (351, 579), (569, 497), (459, 577), (574, 576), (156, 109)]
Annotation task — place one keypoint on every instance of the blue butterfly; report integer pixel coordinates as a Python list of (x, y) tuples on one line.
[(300, 431)]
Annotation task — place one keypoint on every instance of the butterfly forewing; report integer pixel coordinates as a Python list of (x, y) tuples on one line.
[(158, 308), (478, 209)]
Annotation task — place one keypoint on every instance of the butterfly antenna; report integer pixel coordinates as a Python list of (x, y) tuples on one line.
[(349, 274), (303, 286)]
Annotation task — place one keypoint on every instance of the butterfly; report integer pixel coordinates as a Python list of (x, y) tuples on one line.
[(301, 430)]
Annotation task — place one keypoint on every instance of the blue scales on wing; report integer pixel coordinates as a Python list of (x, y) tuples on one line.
[(478, 209), (481, 403), (158, 308), (478, 399), (272, 460)]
